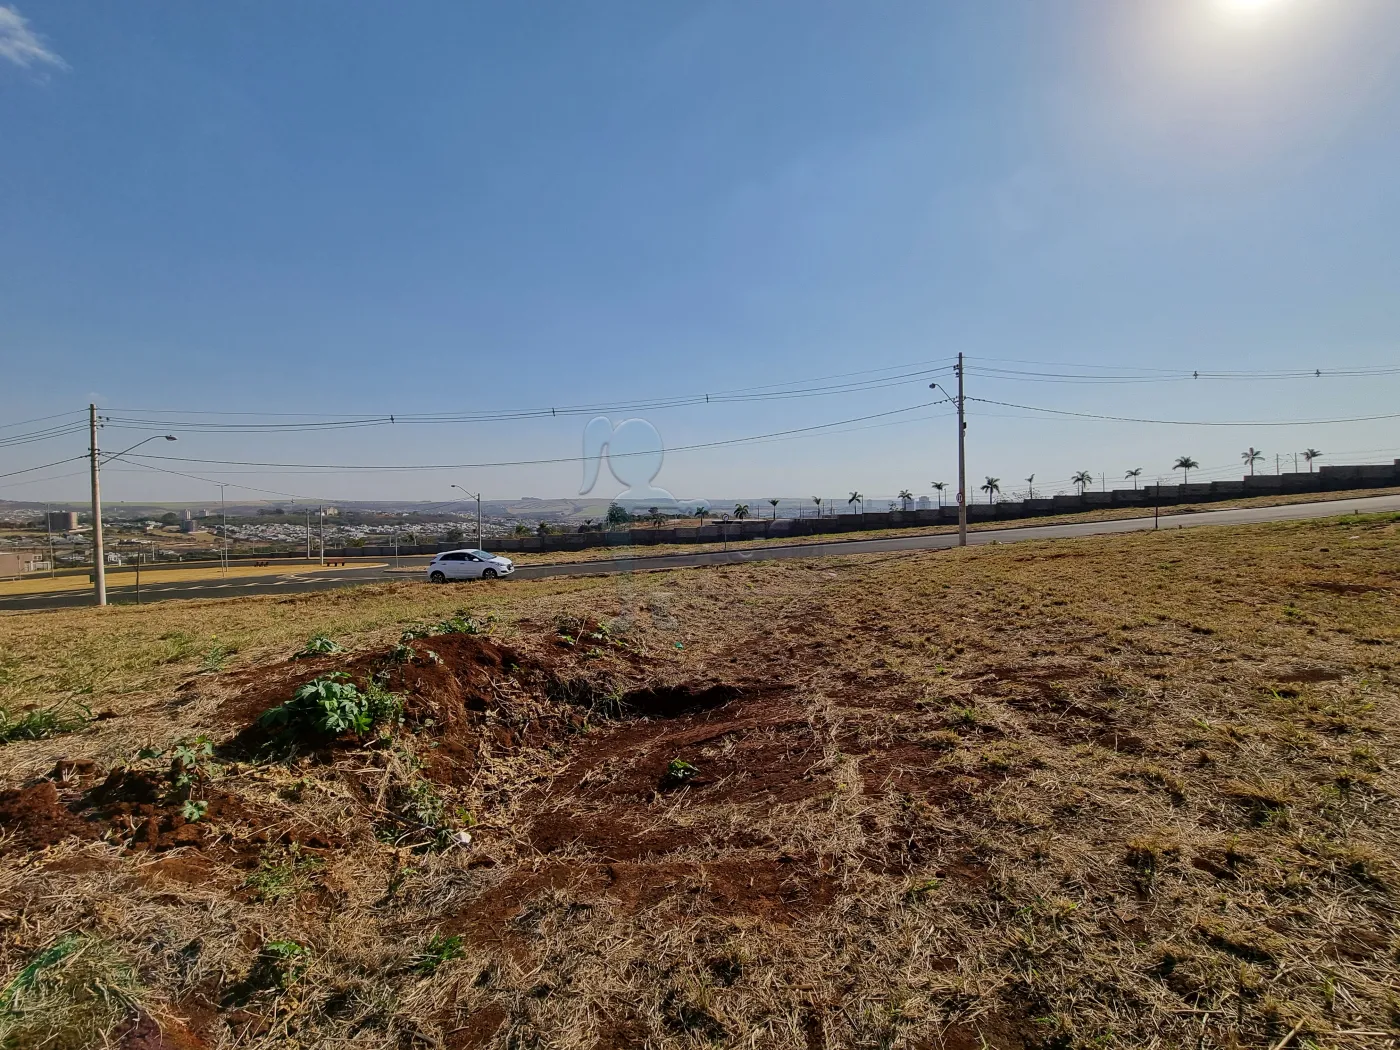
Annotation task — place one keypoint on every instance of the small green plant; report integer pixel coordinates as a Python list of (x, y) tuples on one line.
[(678, 771), (193, 810), (214, 658), (190, 768), (437, 951), (459, 624), (283, 873), (281, 963), (319, 645), (42, 723), (332, 704)]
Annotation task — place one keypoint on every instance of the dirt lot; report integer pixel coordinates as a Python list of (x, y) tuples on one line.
[(1120, 791)]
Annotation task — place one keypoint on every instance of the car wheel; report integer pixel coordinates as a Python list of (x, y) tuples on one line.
[(437, 577), (488, 574)]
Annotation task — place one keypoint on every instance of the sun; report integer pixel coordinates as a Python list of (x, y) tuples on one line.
[(1247, 7)]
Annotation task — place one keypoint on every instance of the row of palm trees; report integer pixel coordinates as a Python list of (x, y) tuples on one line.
[(1083, 479), (992, 486)]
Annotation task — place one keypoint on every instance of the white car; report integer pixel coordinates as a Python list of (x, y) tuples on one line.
[(468, 565)]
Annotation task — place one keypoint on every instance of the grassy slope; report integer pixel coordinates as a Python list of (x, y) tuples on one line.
[(1093, 792)]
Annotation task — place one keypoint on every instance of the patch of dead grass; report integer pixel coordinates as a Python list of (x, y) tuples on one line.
[(950, 799)]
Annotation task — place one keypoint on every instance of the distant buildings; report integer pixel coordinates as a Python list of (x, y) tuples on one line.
[(19, 564)]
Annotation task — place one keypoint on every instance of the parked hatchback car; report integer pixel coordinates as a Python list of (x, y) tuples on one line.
[(468, 565)]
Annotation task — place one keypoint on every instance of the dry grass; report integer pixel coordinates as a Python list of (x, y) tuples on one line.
[(1118, 791)]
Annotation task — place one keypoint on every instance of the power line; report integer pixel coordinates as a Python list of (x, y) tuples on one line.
[(1190, 422), (316, 421), (45, 466), (39, 419), (16, 440), (523, 462)]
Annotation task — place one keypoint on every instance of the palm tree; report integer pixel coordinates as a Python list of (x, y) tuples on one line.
[(991, 488), (905, 497), (741, 511), (939, 486), (1252, 456), (1083, 479), (700, 513), (1185, 464), (1030, 482), (522, 530), (1310, 455), (856, 497), (1135, 473), (775, 508), (818, 501)]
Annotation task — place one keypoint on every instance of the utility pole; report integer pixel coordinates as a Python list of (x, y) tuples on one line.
[(1157, 502), (48, 531), (1278, 467), (962, 459), (308, 533), (99, 569), (223, 513), (1295, 462), (476, 497), (321, 531)]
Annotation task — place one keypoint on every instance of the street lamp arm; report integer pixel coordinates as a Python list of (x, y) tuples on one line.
[(154, 437)]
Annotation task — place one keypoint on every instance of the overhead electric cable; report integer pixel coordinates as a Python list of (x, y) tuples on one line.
[(523, 462)]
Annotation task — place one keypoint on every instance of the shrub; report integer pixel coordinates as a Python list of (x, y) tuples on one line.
[(332, 704)]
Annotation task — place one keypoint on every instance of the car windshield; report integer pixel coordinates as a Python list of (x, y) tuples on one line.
[(483, 555)]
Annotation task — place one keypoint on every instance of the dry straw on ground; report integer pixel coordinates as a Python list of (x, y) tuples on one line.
[(1123, 791)]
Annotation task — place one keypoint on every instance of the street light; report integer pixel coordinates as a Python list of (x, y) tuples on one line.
[(962, 453), (99, 565), (477, 497)]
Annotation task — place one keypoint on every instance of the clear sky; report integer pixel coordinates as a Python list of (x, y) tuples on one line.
[(360, 208)]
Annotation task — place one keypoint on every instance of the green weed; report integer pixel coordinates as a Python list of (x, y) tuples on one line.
[(318, 645), (437, 951), (332, 704), (284, 873), (42, 723)]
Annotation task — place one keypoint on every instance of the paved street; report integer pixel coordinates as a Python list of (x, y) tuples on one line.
[(293, 583)]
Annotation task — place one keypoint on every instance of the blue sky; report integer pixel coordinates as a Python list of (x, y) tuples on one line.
[(346, 208)]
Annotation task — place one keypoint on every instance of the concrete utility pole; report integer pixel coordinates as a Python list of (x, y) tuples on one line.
[(962, 459), (99, 561), (321, 531), (223, 513), (962, 454), (99, 568), (48, 532)]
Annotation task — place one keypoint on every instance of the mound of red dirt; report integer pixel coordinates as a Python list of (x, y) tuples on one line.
[(36, 818)]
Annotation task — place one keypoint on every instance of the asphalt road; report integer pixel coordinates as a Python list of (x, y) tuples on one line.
[(294, 583)]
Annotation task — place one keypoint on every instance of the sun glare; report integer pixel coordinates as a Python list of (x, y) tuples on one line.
[(1247, 7)]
